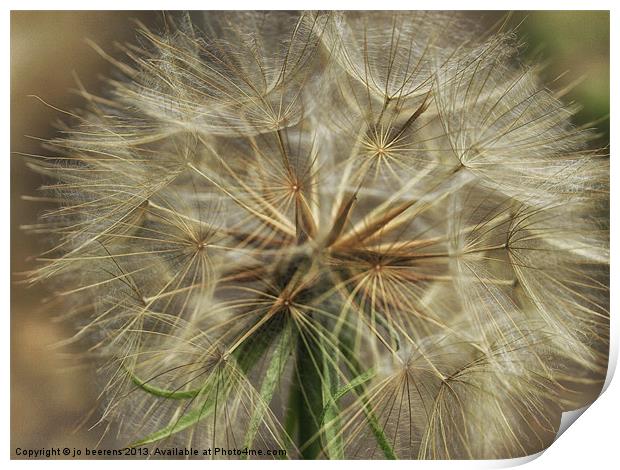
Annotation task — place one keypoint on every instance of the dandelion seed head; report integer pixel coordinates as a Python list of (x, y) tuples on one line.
[(357, 234)]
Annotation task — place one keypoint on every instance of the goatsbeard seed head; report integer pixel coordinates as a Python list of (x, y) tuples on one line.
[(347, 235)]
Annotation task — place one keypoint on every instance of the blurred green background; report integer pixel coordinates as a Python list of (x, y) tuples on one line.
[(51, 391), (575, 47)]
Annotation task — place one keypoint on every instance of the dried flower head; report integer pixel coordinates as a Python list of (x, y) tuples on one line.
[(345, 235)]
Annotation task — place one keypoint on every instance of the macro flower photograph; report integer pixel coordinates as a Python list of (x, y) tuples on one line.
[(335, 235)]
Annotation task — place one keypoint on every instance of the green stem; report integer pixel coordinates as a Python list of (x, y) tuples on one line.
[(310, 401)]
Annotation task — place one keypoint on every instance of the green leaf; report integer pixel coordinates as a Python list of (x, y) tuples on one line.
[(245, 357), (382, 439), (185, 421), (373, 422), (334, 446), (273, 373), (161, 392), (356, 382), (342, 391)]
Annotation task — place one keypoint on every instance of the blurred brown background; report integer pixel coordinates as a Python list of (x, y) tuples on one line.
[(50, 392)]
